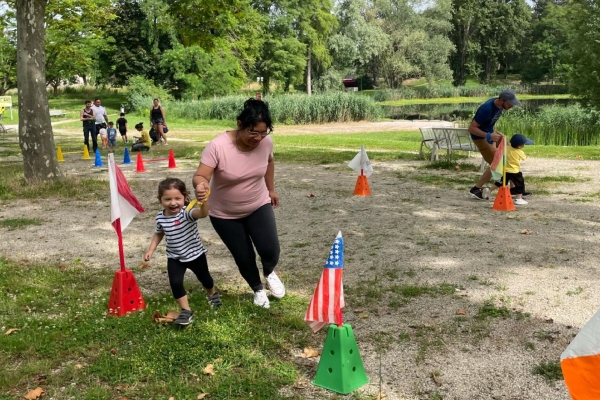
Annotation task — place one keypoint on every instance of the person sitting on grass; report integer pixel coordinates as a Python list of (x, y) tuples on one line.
[(514, 176), (143, 143), (184, 246)]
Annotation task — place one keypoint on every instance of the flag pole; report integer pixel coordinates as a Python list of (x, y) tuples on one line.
[(120, 236), (504, 161)]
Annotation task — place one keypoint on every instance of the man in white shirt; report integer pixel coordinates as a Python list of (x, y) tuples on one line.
[(100, 114)]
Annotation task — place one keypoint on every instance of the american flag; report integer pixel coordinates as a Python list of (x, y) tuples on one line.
[(326, 304)]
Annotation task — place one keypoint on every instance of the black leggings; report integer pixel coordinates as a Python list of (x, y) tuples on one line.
[(176, 270), (239, 235), (90, 130)]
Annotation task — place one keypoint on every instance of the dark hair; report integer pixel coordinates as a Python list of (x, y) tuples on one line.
[(88, 101), (140, 125), (156, 99), (255, 111), (122, 114), (173, 183), (110, 123), (96, 99)]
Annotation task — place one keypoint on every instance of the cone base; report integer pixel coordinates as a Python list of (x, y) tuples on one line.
[(125, 295), (362, 186), (503, 201), (340, 369)]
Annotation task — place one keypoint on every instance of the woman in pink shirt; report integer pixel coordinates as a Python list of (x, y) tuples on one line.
[(239, 166)]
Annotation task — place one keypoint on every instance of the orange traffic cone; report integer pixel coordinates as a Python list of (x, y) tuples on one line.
[(172, 159), (140, 164), (125, 295), (503, 200), (362, 186)]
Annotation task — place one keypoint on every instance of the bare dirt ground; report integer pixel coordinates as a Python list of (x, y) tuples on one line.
[(422, 260)]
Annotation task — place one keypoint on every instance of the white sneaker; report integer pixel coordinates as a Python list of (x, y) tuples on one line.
[(521, 202), (261, 299), (275, 285), (485, 193)]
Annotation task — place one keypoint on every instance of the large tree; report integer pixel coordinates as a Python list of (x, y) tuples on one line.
[(35, 131)]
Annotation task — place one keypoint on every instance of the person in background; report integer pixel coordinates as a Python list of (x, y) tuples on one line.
[(122, 126), (143, 143), (158, 120), (100, 114), (89, 126), (112, 135)]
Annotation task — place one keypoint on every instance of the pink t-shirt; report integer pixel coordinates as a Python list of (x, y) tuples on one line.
[(238, 186)]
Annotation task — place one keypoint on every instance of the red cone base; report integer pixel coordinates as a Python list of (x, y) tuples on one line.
[(503, 200), (172, 159), (125, 295), (362, 186)]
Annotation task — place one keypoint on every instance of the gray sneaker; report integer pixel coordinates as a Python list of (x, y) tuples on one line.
[(485, 193), (185, 318), (214, 300)]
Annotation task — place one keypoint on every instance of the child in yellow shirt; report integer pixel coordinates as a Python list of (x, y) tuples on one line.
[(514, 155)]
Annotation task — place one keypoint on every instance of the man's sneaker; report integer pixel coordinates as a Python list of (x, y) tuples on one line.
[(476, 193), (261, 299), (214, 300), (485, 193), (521, 202), (275, 285), (185, 318)]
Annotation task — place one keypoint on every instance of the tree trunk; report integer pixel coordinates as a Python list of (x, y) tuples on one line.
[(308, 72), (266, 84), (35, 130)]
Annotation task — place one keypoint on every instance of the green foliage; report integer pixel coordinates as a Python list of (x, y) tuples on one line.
[(8, 56), (330, 81), (142, 91), (550, 370)]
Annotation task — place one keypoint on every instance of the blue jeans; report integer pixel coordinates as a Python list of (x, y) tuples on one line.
[(87, 131)]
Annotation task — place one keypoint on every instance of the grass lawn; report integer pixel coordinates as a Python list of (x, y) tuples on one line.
[(450, 100)]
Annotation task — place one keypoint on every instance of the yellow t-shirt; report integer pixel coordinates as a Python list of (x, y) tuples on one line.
[(146, 138), (513, 159)]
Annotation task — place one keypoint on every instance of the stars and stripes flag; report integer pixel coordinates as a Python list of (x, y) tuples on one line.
[(328, 300), (124, 206), (580, 362)]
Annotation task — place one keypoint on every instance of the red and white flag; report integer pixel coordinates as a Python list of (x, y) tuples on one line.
[(326, 304), (124, 206)]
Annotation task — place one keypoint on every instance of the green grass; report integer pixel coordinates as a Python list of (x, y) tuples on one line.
[(453, 100), (15, 223), (489, 310), (550, 370), (66, 337)]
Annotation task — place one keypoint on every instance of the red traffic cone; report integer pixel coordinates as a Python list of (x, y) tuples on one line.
[(172, 159), (125, 295), (362, 186), (140, 164), (503, 200)]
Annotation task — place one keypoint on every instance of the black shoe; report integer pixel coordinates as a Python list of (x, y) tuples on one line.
[(476, 193), (214, 300), (185, 318)]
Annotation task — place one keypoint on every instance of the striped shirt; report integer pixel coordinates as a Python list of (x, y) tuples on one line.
[(181, 235)]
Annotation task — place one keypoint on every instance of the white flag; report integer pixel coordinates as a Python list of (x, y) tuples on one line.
[(123, 204), (361, 162)]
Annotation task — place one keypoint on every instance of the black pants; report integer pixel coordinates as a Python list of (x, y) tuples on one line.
[(518, 181), (139, 147), (176, 270), (239, 235), (87, 131)]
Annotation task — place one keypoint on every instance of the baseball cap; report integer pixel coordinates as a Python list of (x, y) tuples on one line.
[(509, 96), (518, 140)]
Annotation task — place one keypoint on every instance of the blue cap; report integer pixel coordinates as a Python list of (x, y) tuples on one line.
[(518, 140)]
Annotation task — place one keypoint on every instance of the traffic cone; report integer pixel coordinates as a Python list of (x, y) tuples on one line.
[(98, 159), (362, 186), (340, 368), (59, 154), (126, 159), (503, 200), (140, 164), (172, 159), (125, 295), (86, 153)]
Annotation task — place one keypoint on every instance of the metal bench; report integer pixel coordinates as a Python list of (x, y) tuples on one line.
[(455, 139), (57, 113)]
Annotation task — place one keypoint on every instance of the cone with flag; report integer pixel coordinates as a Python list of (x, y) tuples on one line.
[(361, 164), (125, 295), (503, 201), (340, 368), (580, 362)]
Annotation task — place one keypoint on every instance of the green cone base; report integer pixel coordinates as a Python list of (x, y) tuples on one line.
[(340, 369)]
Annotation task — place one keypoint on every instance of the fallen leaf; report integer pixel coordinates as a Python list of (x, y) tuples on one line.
[(309, 352), (526, 232), (461, 312), (113, 351), (62, 266), (579, 157), (144, 264), (165, 319), (209, 370), (364, 316), (310, 196), (202, 395), (78, 366), (172, 314), (35, 393), (11, 330), (436, 380)]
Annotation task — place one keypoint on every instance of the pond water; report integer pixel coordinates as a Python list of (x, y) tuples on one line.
[(458, 111)]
